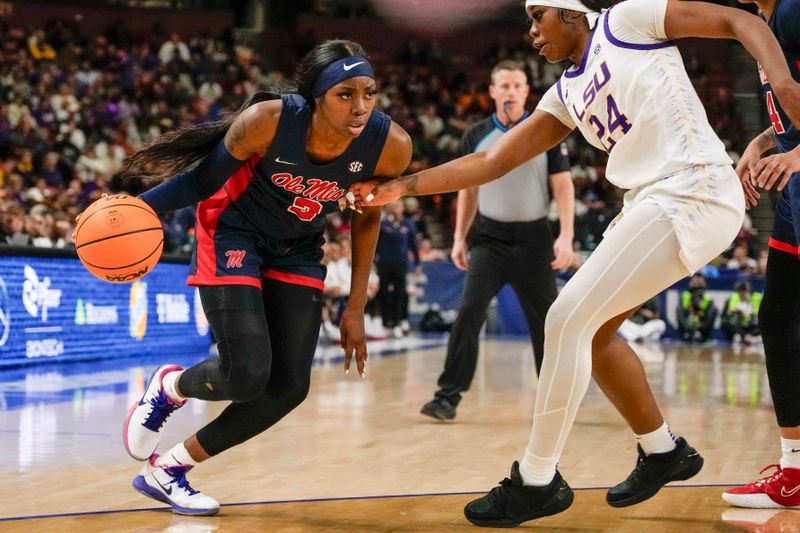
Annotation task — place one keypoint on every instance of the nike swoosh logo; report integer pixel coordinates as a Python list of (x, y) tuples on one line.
[(795, 450), (786, 493), (279, 160), (167, 490), (347, 67)]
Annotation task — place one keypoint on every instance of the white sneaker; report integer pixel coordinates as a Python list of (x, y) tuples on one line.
[(168, 484), (332, 332), (406, 325), (397, 332), (142, 429), (373, 328)]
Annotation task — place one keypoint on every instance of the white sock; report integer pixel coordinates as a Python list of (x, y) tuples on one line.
[(659, 441), (537, 471), (177, 455), (791, 453), (169, 382)]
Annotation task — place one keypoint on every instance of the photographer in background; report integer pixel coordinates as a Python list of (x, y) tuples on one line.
[(696, 311), (740, 314)]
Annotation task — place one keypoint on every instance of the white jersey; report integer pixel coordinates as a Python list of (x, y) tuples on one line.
[(631, 97)]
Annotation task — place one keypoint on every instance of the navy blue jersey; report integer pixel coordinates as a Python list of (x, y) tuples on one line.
[(284, 195), (785, 24)]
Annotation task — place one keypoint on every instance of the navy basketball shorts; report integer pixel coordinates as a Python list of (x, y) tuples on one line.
[(226, 255), (786, 225)]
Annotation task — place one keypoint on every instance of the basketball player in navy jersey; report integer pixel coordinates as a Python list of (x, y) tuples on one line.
[(779, 315), (264, 179)]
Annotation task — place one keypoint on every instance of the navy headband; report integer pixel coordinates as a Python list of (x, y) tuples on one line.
[(340, 70)]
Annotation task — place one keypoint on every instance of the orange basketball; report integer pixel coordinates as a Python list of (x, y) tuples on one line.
[(119, 238)]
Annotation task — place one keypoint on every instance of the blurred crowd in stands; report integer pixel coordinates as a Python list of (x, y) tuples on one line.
[(73, 106)]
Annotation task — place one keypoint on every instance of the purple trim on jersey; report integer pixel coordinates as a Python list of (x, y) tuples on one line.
[(584, 58), (560, 95), (632, 46)]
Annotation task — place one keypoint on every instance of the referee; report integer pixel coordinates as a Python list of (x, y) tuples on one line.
[(510, 242)]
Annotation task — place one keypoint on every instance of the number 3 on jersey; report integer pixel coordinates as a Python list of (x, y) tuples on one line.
[(305, 208), (615, 121)]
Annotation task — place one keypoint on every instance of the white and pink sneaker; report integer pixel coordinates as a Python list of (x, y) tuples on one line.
[(142, 429)]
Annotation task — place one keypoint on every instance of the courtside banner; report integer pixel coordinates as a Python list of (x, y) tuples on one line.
[(53, 310)]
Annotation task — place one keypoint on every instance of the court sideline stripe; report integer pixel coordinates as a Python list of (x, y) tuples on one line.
[(315, 500)]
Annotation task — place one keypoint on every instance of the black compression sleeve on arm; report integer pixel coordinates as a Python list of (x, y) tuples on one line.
[(193, 185)]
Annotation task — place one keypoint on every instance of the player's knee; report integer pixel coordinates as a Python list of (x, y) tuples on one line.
[(248, 382), (294, 392), (557, 318)]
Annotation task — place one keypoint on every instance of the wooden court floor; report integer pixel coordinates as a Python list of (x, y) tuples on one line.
[(357, 456)]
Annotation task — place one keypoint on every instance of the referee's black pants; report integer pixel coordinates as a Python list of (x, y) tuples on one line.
[(518, 253)]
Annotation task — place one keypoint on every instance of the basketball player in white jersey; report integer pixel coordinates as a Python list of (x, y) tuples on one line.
[(629, 94)]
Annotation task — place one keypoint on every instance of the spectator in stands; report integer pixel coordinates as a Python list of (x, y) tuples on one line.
[(51, 173), (372, 323), (413, 212), (739, 320), (63, 230), (741, 260), (24, 167), (429, 254), (644, 325), (334, 292), (397, 241), (763, 256), (173, 49), (39, 48), (696, 311), (14, 227)]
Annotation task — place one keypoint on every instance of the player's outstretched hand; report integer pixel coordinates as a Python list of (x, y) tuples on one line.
[(776, 169), (354, 340), (373, 192), (745, 169)]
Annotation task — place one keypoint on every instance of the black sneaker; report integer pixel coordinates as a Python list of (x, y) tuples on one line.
[(512, 503), (653, 472), (440, 409)]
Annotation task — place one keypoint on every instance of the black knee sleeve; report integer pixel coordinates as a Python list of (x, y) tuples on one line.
[(241, 372), (779, 321), (293, 313)]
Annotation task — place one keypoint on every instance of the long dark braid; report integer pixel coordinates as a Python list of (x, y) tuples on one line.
[(178, 150)]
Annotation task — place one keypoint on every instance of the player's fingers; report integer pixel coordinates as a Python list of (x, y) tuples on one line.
[(760, 171), (361, 360), (348, 356), (372, 197), (772, 175), (743, 168)]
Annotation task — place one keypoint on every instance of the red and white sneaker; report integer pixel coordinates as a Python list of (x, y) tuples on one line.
[(781, 490), (762, 520)]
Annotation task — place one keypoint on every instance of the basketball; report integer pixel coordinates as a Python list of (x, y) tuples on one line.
[(119, 238)]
